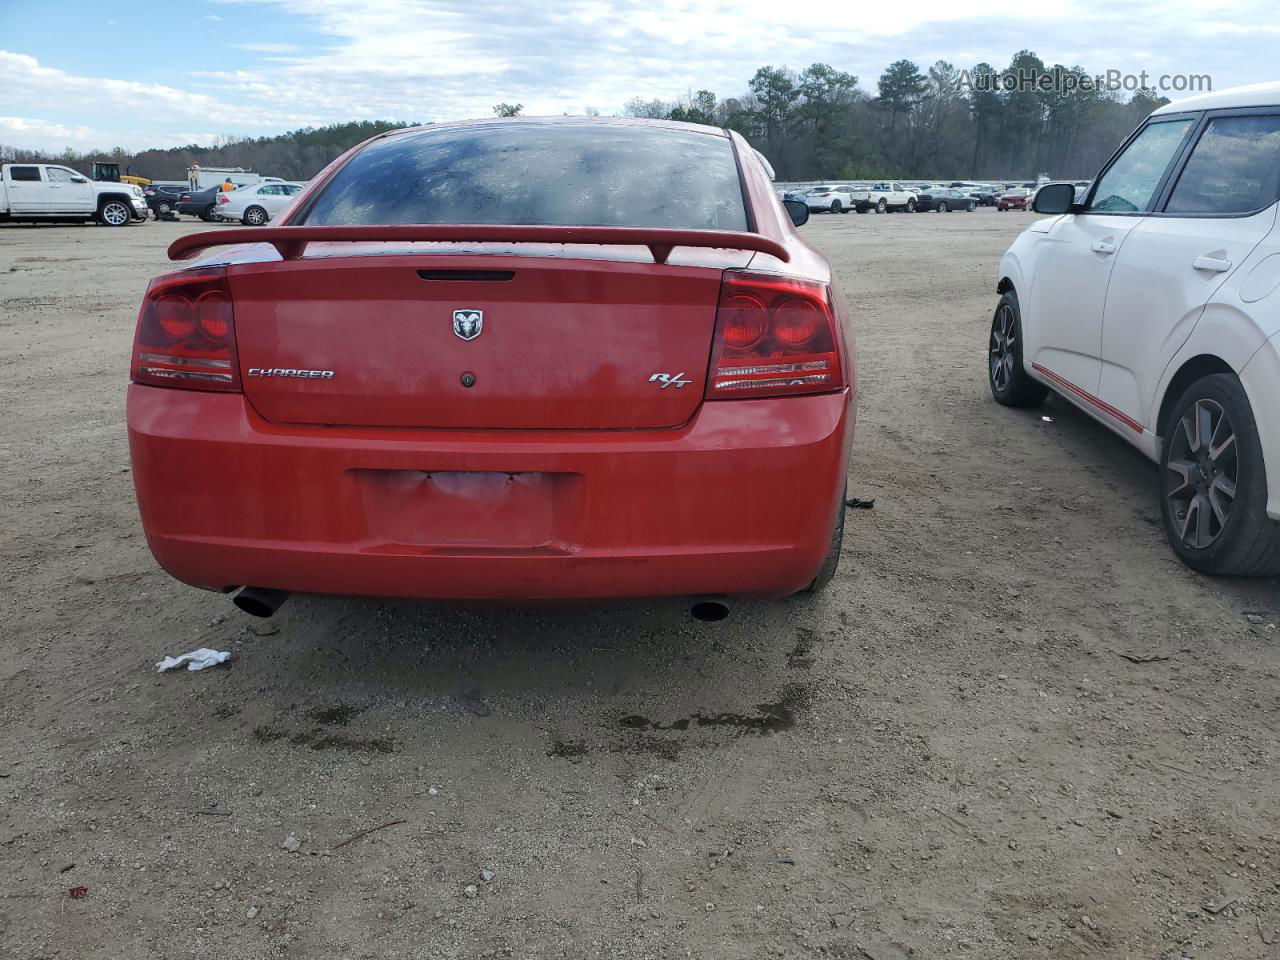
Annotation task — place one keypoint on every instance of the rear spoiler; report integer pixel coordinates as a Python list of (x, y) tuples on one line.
[(290, 242)]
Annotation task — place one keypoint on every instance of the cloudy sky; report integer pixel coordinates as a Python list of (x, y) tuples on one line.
[(138, 74)]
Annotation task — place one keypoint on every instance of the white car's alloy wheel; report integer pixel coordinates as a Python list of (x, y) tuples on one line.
[(115, 213)]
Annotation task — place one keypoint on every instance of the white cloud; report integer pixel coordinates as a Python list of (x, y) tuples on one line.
[(443, 59), (45, 135), (268, 47)]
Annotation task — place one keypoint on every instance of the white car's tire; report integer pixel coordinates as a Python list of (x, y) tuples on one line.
[(115, 213), (255, 216), (1213, 483), (1011, 385)]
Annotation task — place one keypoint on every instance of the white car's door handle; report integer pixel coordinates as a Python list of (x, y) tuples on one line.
[(1104, 246), (1211, 264)]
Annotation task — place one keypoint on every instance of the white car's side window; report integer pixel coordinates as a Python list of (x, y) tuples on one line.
[(1130, 183), (1234, 168)]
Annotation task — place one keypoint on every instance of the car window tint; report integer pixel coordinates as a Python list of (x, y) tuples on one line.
[(597, 174), (1130, 183), (58, 174), (1234, 168), (24, 173)]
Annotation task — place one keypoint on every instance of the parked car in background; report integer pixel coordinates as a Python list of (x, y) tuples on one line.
[(162, 198), (356, 413), (48, 191), (829, 199), (257, 205), (202, 204), (945, 199), (885, 196), (1152, 306), (986, 195), (1016, 199)]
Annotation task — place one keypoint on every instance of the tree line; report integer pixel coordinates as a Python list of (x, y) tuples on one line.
[(813, 124), (820, 123)]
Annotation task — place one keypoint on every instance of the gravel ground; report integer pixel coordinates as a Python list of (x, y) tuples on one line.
[(1015, 726)]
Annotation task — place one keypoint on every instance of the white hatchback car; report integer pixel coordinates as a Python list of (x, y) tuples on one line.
[(1153, 304), (258, 203)]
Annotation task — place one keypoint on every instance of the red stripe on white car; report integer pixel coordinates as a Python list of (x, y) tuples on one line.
[(1102, 405)]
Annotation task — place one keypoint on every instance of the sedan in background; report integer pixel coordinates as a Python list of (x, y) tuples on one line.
[(200, 203), (1019, 198), (441, 374), (986, 195), (946, 199), (257, 204)]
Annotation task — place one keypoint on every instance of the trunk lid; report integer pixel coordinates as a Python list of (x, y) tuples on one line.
[(558, 343)]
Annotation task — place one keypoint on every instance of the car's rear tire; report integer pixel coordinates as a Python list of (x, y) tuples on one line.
[(942, 206), (255, 216), (1213, 483), (1010, 383), (911, 206), (972, 207), (882, 207), (164, 208), (835, 206), (115, 213), (207, 213), (828, 571)]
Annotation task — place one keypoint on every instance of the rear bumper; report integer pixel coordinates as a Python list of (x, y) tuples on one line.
[(740, 501)]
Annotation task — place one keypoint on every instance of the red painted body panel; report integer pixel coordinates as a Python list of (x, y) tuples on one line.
[(585, 488), (739, 501), (565, 344)]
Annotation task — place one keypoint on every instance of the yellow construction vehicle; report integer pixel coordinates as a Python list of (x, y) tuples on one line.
[(107, 171)]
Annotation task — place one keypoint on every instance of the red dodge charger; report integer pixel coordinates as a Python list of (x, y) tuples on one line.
[(515, 359)]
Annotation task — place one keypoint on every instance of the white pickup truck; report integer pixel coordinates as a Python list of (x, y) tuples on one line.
[(885, 196), (48, 191)]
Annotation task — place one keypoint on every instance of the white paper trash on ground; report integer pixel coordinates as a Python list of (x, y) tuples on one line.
[(195, 660)]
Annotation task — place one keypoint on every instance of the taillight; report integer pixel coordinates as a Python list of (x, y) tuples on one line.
[(186, 333), (775, 336), (223, 198)]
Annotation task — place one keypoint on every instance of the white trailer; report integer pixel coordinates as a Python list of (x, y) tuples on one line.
[(202, 178)]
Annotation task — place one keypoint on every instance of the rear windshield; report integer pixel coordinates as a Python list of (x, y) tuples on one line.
[(555, 174)]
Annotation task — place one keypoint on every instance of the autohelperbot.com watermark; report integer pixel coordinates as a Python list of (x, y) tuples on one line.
[(1070, 81)]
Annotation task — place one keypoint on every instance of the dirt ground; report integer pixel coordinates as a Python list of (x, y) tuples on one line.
[(1015, 727)]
